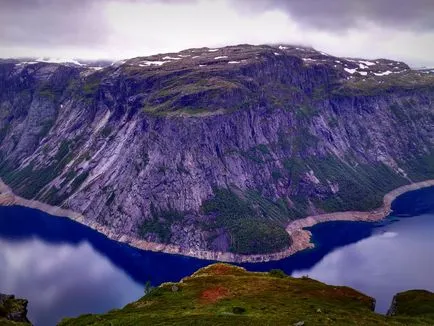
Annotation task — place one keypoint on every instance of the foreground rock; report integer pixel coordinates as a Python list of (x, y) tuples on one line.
[(13, 311), (222, 294), (415, 303)]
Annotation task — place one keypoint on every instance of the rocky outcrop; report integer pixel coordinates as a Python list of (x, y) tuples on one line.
[(139, 149), (13, 311), (412, 303), (225, 294)]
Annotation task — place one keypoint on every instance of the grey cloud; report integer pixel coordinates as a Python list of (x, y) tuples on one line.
[(42, 23), (57, 22), (344, 14)]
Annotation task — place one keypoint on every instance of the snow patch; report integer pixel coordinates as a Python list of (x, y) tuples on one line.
[(221, 57), (281, 47), (184, 55), (362, 66), (213, 50), (152, 63), (196, 56), (367, 63), (171, 58), (363, 73), (118, 63), (350, 71), (59, 60), (26, 63), (233, 62), (275, 53), (385, 73)]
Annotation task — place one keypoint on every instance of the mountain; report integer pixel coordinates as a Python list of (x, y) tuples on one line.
[(214, 149), (227, 295)]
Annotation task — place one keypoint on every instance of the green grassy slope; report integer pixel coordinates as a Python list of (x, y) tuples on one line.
[(222, 294)]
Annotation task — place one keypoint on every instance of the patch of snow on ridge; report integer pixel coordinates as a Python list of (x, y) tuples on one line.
[(233, 62), (213, 50), (221, 57), (152, 63), (281, 47), (363, 73), (367, 63), (26, 63), (184, 55), (385, 73), (59, 60), (118, 63), (350, 71), (171, 58), (362, 66)]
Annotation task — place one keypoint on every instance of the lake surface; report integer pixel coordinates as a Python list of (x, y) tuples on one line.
[(65, 269)]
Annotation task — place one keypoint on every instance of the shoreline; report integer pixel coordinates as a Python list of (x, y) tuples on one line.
[(301, 238)]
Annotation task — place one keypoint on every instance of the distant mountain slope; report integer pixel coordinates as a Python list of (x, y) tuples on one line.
[(215, 149), (228, 295)]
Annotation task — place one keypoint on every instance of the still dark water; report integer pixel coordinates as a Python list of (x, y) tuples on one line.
[(66, 269)]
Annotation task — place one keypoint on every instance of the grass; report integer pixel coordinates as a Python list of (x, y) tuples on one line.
[(191, 95), (371, 86), (222, 294)]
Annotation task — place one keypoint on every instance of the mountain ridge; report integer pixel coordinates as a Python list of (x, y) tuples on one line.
[(209, 154)]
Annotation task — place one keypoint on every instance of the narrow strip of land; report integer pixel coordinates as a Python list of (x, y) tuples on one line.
[(301, 238)]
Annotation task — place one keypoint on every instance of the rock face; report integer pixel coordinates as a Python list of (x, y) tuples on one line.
[(215, 149), (13, 310), (415, 303)]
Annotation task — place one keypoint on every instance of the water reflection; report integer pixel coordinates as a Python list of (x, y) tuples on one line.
[(66, 269), (63, 280), (397, 258)]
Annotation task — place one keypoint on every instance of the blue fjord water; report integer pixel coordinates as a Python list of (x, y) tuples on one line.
[(66, 269)]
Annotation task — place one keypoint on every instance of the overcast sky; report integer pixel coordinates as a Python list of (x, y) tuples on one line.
[(397, 29)]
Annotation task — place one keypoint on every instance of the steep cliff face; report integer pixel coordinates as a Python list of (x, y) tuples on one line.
[(215, 148)]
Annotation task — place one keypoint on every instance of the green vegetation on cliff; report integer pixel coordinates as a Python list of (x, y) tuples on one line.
[(13, 312), (249, 233), (222, 294)]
